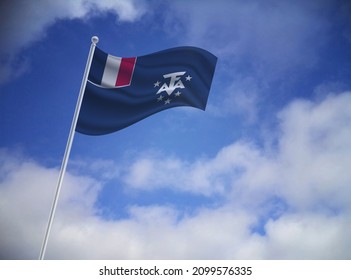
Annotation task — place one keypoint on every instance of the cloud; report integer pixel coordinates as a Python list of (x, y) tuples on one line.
[(241, 97), (23, 22), (267, 45), (273, 36), (204, 176), (309, 236), (288, 201), (27, 189), (315, 151), (312, 157)]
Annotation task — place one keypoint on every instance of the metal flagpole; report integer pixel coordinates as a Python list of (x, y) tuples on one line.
[(94, 41)]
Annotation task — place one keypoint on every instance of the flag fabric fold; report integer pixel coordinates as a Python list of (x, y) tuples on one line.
[(122, 91)]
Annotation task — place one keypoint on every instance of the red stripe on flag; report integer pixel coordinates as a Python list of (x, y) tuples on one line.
[(125, 72)]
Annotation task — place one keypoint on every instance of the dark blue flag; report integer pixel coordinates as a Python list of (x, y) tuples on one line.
[(123, 91)]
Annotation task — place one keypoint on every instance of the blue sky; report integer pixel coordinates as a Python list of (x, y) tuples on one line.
[(263, 173)]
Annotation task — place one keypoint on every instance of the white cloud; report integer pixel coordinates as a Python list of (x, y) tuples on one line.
[(27, 190), (265, 44), (25, 22), (275, 35), (291, 201), (313, 153), (241, 97), (203, 177), (308, 236)]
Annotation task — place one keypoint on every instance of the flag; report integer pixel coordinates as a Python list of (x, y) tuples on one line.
[(122, 91)]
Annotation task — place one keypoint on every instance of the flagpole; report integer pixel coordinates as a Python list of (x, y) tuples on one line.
[(94, 41)]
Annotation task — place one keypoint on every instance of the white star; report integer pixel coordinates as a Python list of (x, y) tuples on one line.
[(160, 98), (188, 78), (178, 93), (168, 101), (157, 84)]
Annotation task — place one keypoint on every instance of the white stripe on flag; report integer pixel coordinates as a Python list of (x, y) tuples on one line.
[(111, 71)]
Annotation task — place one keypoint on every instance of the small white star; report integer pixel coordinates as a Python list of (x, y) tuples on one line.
[(168, 101), (188, 78), (157, 84), (178, 93), (160, 98)]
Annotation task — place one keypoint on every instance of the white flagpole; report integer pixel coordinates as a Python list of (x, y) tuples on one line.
[(94, 41)]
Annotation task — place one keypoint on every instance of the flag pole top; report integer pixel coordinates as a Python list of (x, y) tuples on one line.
[(95, 40)]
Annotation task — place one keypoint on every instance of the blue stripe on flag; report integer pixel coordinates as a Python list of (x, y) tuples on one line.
[(97, 66)]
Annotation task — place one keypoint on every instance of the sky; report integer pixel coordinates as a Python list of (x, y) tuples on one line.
[(263, 173)]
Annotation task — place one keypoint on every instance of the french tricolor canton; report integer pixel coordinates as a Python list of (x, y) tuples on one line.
[(117, 71)]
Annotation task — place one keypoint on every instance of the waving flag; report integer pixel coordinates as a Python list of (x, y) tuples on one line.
[(122, 91)]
